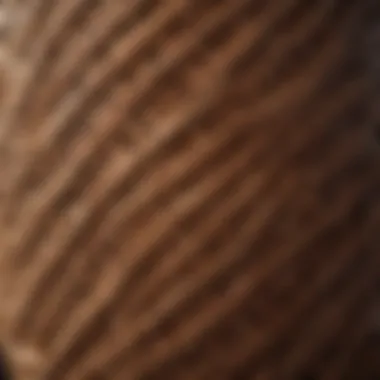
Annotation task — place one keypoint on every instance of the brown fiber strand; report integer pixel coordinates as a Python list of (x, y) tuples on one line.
[(190, 190)]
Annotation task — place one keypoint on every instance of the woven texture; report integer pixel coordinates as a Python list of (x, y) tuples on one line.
[(190, 190)]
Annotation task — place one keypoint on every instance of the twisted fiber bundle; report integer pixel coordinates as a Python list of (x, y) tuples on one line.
[(190, 190)]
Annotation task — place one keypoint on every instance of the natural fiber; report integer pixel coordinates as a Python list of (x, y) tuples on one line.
[(190, 190)]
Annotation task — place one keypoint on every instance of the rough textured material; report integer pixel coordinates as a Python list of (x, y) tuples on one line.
[(190, 189)]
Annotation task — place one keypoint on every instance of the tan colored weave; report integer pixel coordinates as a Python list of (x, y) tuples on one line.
[(190, 190)]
